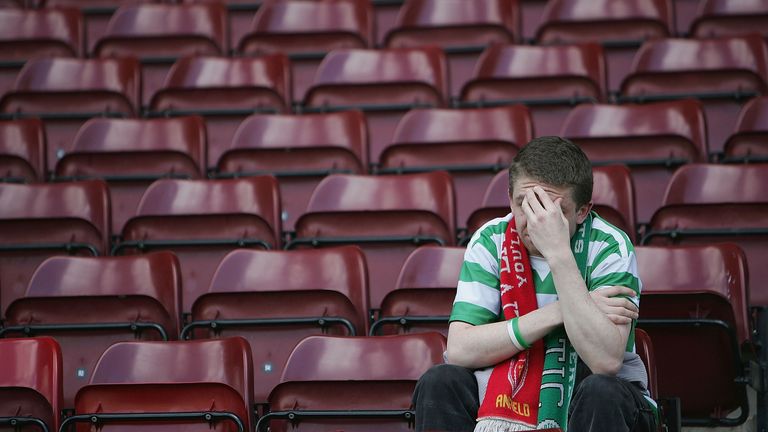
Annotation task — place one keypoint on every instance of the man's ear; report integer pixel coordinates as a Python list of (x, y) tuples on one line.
[(583, 212)]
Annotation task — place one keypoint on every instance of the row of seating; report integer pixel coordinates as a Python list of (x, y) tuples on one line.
[(694, 304)]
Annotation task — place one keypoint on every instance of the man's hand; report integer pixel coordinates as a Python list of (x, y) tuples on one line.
[(620, 310), (546, 224)]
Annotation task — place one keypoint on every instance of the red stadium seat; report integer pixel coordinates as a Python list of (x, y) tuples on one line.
[(471, 144), (31, 33), (158, 34), (201, 221), (382, 83), (620, 26), (549, 79), (203, 385), (306, 31), (613, 198), (22, 150), (41, 220), (718, 18), (463, 29), (652, 139), (424, 293), (30, 384), (359, 383), (64, 92), (276, 298), (694, 305), (299, 150), (723, 73), (749, 140), (388, 216), (224, 91), (88, 303), (129, 154)]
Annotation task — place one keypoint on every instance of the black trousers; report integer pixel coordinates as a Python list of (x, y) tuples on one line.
[(446, 400)]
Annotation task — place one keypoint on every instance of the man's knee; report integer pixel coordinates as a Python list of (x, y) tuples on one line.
[(601, 387), (446, 376)]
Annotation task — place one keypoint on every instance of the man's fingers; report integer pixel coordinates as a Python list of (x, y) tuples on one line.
[(533, 201), (615, 291), (619, 319)]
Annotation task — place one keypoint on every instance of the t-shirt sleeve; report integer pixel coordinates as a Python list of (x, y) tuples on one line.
[(616, 265), (478, 299)]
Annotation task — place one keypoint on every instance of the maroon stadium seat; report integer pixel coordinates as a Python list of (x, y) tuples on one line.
[(22, 150), (718, 18), (338, 376), (550, 79), (30, 384), (65, 92), (129, 154), (299, 150), (89, 303), (201, 221), (158, 34), (652, 139), (306, 30), (749, 140), (471, 144), (276, 298)]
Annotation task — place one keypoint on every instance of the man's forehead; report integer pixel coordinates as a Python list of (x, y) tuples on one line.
[(524, 183)]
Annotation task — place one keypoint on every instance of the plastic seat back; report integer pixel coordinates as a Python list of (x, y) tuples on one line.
[(749, 140), (644, 348), (424, 293), (472, 144), (718, 18), (306, 31), (383, 83), (250, 296), (65, 92), (694, 304), (388, 216), (224, 91), (462, 29), (550, 79), (158, 34), (30, 383), (723, 73), (299, 150), (22, 151), (42, 220), (201, 221), (88, 303), (204, 376), (652, 139), (132, 153), (326, 373)]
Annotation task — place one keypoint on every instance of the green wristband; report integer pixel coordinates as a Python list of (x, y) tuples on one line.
[(518, 334)]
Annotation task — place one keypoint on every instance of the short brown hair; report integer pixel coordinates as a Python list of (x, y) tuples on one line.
[(557, 162)]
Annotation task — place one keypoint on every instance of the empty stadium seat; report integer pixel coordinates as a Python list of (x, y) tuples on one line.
[(472, 144), (129, 154), (463, 29), (613, 198), (203, 385), (549, 79), (306, 30), (88, 303), (718, 18), (384, 84), (652, 139), (65, 92), (201, 221), (299, 150), (694, 307), (723, 73), (749, 140), (30, 384), (22, 151), (387, 216), (31, 33), (424, 293), (224, 91), (276, 298), (158, 34), (359, 383), (41, 220)]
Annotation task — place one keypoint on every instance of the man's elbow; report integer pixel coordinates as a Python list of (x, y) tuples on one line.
[(606, 366), (457, 356)]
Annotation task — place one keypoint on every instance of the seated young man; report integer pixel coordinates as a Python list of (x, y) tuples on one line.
[(546, 288)]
